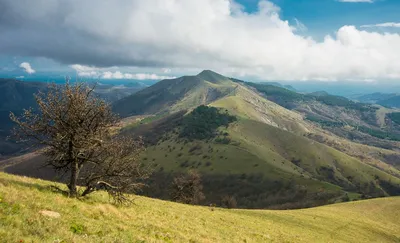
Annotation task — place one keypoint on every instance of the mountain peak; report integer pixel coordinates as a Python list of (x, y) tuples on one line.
[(208, 72), (211, 76)]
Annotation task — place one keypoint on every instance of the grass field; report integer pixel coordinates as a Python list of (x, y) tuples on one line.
[(151, 220)]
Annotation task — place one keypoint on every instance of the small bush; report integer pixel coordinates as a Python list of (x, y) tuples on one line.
[(77, 228)]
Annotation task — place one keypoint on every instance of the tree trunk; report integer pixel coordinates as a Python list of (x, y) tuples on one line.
[(73, 192)]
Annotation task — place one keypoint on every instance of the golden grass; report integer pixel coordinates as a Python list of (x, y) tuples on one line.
[(151, 220)]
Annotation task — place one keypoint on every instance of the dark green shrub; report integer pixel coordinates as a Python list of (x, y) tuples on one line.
[(203, 122)]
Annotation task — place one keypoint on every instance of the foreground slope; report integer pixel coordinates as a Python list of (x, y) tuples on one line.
[(150, 220)]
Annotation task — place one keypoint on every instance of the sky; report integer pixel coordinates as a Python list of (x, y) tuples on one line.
[(284, 40)]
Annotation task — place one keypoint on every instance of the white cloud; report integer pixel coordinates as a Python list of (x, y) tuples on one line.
[(104, 73), (200, 34), (85, 71), (27, 67), (137, 76), (389, 24), (300, 26), (166, 70), (356, 1)]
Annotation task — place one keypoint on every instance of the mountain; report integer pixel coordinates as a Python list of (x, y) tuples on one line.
[(30, 203), (393, 102), (286, 86), (374, 97), (267, 146), (18, 95), (355, 121), (114, 92), (172, 95), (319, 93), (273, 145)]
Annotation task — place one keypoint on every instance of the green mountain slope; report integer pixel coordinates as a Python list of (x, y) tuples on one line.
[(173, 95), (359, 122), (149, 220), (266, 148)]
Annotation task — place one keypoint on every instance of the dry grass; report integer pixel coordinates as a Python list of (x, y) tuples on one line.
[(150, 220)]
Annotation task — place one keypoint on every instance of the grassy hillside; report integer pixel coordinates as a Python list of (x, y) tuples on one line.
[(150, 220), (173, 95), (264, 166), (266, 159), (359, 122)]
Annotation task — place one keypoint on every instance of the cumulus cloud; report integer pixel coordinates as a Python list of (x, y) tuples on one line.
[(202, 34), (389, 24), (27, 67), (104, 73)]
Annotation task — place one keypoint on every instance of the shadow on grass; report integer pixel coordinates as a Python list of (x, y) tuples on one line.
[(42, 188)]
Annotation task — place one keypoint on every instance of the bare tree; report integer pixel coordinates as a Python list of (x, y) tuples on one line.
[(229, 201), (187, 188), (77, 133)]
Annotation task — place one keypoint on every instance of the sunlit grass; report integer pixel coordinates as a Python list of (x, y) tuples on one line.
[(151, 220)]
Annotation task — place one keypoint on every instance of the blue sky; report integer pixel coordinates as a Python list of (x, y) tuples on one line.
[(324, 17), (324, 40)]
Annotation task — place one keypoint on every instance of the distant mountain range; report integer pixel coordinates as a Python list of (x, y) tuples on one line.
[(384, 99), (18, 95)]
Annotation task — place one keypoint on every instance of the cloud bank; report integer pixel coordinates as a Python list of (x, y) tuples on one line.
[(201, 34), (27, 67), (104, 73)]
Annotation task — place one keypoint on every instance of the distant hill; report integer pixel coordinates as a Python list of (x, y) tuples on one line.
[(286, 86), (356, 121), (319, 93), (375, 97), (112, 93), (18, 95), (391, 102), (277, 84)]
